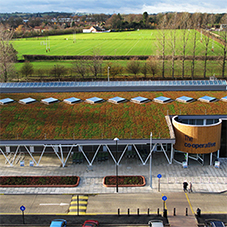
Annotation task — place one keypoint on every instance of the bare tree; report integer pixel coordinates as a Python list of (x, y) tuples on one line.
[(161, 42), (144, 69), (40, 73), (80, 67), (184, 25), (8, 55), (223, 36), (172, 40), (57, 71), (152, 66), (114, 69), (27, 69), (133, 66), (206, 41), (195, 23), (96, 63)]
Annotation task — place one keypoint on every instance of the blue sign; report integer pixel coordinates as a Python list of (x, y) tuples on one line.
[(164, 198), (159, 176), (22, 208)]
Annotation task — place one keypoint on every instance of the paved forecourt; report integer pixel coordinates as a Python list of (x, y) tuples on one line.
[(204, 178)]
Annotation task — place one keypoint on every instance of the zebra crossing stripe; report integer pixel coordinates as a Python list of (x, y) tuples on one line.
[(80, 197), (78, 204), (80, 207)]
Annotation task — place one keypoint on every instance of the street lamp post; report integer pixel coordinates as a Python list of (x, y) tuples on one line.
[(150, 160), (108, 73), (116, 139)]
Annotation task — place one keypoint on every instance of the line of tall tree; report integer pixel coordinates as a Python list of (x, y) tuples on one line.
[(186, 22)]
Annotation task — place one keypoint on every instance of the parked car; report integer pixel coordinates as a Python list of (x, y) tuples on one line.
[(155, 223), (58, 223), (91, 223), (216, 224)]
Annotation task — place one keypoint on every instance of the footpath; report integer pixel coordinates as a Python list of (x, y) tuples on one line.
[(208, 182)]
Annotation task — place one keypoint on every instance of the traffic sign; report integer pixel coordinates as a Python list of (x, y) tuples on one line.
[(164, 198), (159, 176), (22, 208)]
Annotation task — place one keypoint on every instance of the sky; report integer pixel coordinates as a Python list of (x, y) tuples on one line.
[(113, 6)]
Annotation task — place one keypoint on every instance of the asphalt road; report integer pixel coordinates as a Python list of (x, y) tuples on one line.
[(110, 203)]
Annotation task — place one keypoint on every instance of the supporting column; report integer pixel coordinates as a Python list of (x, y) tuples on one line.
[(172, 154), (211, 161), (7, 150), (218, 153)]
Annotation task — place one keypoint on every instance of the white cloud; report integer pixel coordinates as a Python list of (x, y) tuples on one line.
[(184, 7), (116, 6)]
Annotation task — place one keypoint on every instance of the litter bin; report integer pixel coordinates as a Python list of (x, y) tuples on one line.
[(198, 211)]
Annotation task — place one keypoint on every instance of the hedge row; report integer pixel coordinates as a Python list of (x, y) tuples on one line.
[(114, 57)]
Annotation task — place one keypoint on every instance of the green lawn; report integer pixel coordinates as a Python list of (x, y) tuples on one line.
[(142, 42)]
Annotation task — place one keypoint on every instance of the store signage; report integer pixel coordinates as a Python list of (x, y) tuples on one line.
[(189, 143)]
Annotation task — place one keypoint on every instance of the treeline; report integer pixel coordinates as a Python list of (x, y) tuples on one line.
[(118, 21), (34, 57), (95, 68)]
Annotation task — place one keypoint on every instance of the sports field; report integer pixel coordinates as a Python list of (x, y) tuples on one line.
[(142, 42)]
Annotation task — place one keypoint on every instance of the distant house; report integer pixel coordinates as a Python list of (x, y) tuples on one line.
[(40, 29), (94, 29), (223, 27)]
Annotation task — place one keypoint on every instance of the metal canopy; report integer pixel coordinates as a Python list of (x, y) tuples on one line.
[(60, 149)]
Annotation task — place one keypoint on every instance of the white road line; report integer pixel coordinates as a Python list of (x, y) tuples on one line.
[(54, 204)]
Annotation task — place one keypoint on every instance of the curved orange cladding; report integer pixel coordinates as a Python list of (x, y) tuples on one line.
[(197, 139)]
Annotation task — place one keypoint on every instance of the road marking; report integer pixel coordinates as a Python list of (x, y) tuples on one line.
[(189, 203), (54, 204), (80, 202)]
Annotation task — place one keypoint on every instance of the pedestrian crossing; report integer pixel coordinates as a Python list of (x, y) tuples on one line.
[(78, 205)]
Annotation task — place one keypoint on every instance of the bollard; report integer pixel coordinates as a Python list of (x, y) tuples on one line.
[(174, 211), (128, 212), (158, 211), (198, 211), (186, 212), (138, 211), (118, 212), (165, 213), (148, 212)]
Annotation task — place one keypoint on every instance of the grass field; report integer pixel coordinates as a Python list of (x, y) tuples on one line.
[(98, 121), (142, 42)]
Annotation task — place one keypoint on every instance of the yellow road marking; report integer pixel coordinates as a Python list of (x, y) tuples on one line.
[(75, 207), (80, 197), (189, 203), (214, 212), (75, 213), (80, 202)]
